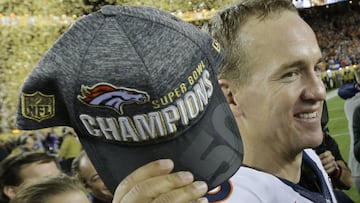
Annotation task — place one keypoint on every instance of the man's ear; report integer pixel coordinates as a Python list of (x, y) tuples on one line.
[(227, 91), (10, 191)]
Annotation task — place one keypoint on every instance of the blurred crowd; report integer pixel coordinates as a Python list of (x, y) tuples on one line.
[(339, 37), (61, 143)]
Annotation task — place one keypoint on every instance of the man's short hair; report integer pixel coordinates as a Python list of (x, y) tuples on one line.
[(11, 166), (40, 191), (225, 25)]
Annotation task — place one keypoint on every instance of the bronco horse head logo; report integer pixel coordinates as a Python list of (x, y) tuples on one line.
[(109, 96)]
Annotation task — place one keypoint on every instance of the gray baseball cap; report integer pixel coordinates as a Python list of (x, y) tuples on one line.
[(136, 84)]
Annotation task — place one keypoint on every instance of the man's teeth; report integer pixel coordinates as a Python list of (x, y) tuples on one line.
[(307, 115)]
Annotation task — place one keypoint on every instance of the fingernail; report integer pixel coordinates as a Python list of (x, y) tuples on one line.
[(165, 163), (202, 200), (185, 176), (200, 185)]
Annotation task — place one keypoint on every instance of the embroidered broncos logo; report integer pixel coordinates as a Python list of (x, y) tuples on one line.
[(115, 97)]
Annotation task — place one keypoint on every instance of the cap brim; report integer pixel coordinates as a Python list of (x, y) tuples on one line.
[(211, 149)]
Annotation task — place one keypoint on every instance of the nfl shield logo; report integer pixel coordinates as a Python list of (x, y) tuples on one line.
[(37, 106)]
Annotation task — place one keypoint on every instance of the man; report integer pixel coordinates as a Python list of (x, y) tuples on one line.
[(272, 84), (18, 169), (84, 170), (333, 161), (352, 96), (356, 129)]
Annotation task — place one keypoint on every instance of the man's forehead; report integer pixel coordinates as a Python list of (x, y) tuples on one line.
[(39, 169), (287, 38), (86, 168), (85, 162), (275, 26)]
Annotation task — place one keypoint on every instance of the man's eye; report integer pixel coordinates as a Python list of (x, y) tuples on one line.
[(95, 178), (317, 70), (290, 75)]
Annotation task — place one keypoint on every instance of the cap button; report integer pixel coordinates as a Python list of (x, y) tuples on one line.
[(109, 10)]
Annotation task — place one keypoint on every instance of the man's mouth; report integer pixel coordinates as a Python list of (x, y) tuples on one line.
[(306, 115)]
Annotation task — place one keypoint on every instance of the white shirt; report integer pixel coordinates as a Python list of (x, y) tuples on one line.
[(249, 185)]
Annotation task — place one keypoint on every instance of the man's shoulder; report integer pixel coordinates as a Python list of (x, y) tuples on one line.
[(246, 185), (255, 186), (248, 173), (251, 185)]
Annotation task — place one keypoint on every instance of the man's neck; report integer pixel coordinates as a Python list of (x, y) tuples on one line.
[(276, 163)]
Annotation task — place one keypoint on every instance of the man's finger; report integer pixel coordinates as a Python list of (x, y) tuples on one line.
[(189, 193), (152, 169), (149, 189)]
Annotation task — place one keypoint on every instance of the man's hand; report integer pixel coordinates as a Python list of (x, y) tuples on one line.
[(154, 183), (328, 161)]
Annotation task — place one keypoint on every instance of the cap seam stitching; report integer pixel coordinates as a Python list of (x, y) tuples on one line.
[(138, 53), (161, 23), (87, 45), (124, 13)]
